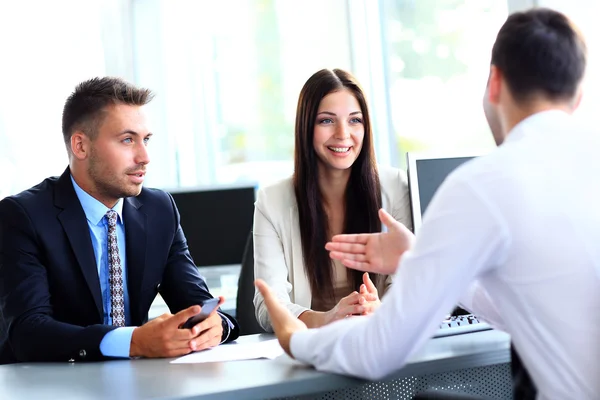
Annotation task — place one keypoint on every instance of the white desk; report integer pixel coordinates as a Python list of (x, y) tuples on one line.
[(254, 379)]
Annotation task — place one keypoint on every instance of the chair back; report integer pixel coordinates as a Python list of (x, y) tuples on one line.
[(244, 313)]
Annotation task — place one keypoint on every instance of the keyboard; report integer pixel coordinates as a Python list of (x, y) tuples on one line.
[(460, 324)]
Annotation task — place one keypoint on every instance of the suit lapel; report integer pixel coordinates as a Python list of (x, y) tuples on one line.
[(135, 245), (74, 223)]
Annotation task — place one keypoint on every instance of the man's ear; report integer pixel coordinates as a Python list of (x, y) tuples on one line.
[(495, 83), (80, 145), (578, 98)]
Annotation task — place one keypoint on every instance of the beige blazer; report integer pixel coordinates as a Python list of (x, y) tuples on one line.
[(278, 258)]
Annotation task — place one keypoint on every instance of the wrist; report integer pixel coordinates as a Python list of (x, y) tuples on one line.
[(226, 328), (314, 319), (134, 348)]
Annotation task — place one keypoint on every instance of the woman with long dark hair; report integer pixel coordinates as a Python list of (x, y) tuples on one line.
[(336, 188)]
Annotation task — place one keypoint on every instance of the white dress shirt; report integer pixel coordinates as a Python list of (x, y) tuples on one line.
[(523, 223)]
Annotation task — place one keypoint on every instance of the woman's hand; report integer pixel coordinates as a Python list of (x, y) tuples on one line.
[(353, 304), (363, 303), (370, 295)]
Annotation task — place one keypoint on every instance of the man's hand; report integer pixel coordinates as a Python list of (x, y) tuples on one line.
[(210, 331), (162, 337), (373, 252), (283, 322)]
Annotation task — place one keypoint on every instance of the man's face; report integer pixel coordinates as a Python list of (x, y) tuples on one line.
[(491, 110), (118, 155)]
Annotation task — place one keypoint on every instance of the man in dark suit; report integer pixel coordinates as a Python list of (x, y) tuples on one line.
[(83, 256)]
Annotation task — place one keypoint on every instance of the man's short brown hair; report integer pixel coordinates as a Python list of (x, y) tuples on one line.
[(84, 108)]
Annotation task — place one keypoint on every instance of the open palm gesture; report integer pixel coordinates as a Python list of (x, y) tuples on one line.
[(373, 252)]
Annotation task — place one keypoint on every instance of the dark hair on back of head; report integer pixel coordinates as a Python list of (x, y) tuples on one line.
[(84, 107), (540, 52)]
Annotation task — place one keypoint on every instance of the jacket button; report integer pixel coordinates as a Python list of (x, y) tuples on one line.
[(82, 353), (158, 286)]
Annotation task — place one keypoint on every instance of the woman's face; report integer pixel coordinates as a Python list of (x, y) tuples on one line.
[(339, 130)]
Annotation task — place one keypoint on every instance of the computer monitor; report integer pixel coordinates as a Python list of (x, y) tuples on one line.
[(216, 222), (426, 172)]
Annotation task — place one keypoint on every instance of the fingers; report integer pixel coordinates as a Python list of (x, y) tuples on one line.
[(366, 295), (283, 321), (352, 298), (208, 338), (182, 316), (351, 310), (370, 286), (389, 221), (161, 338), (351, 304), (338, 255), (345, 247), (358, 265), (371, 297), (352, 238), (266, 293), (277, 312), (208, 322), (363, 290), (214, 319)]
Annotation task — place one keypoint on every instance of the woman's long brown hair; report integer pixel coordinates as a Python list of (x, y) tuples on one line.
[(363, 193)]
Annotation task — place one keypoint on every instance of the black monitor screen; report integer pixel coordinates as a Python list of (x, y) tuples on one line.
[(430, 175), (216, 223), (425, 175)]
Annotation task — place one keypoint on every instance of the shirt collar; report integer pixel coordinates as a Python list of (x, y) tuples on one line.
[(548, 118), (93, 209)]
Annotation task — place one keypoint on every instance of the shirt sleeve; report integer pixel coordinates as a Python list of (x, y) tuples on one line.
[(462, 237), (477, 301), (227, 327), (117, 342)]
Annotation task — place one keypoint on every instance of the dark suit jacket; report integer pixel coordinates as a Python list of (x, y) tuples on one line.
[(50, 300)]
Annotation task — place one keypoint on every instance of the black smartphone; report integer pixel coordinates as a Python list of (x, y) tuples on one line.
[(208, 306)]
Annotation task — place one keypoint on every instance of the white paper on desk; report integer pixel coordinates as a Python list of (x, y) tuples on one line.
[(234, 351)]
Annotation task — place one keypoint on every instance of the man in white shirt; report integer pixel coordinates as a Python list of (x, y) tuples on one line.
[(522, 223)]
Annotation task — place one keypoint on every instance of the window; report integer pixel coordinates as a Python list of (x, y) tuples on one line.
[(584, 13), (41, 68), (437, 60), (227, 76), (48, 48)]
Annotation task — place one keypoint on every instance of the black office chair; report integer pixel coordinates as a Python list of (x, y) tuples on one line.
[(523, 386), (244, 313)]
